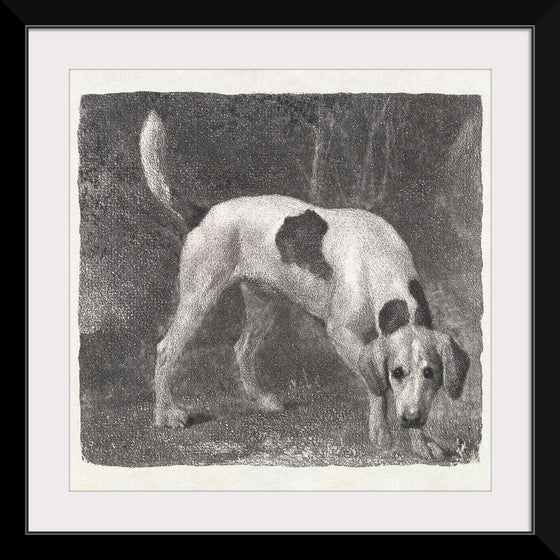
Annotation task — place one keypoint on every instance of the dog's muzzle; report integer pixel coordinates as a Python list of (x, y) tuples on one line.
[(413, 419)]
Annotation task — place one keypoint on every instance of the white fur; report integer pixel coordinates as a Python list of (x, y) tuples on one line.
[(371, 264)]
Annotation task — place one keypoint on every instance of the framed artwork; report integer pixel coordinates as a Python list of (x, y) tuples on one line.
[(287, 277)]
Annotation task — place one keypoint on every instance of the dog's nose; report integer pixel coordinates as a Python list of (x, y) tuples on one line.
[(411, 417)]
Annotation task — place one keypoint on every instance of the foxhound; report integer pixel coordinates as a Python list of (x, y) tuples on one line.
[(345, 266)]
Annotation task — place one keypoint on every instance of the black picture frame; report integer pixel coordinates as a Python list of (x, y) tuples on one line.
[(22, 17)]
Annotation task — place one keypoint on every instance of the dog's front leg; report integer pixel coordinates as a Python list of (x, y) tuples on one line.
[(417, 441), (424, 446), (379, 433), (350, 347)]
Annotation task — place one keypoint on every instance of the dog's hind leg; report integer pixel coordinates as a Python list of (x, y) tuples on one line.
[(169, 351), (207, 263), (260, 315)]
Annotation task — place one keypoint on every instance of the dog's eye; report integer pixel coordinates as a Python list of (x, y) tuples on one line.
[(428, 372), (398, 373)]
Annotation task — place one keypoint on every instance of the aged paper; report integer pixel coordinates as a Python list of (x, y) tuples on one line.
[(268, 377)]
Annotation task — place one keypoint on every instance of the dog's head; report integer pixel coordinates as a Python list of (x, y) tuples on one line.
[(414, 362)]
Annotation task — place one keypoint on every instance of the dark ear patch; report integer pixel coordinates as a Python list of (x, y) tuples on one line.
[(393, 315), (456, 363), (422, 316), (300, 240)]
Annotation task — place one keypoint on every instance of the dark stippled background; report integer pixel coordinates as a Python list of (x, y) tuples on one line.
[(413, 159)]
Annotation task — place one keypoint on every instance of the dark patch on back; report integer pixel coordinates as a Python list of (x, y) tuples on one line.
[(422, 316), (300, 240), (393, 315)]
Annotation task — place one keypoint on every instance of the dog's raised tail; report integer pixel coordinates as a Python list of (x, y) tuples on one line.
[(152, 152), (152, 155)]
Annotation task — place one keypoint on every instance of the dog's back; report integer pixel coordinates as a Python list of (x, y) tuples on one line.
[(292, 246)]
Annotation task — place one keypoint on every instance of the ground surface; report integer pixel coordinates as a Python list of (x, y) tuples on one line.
[(321, 424)]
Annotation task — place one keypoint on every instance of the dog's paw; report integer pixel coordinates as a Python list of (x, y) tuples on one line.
[(435, 450), (268, 403), (425, 447), (419, 444), (421, 450), (171, 417)]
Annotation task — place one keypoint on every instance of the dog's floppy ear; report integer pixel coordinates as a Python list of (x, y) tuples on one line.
[(455, 365), (373, 366)]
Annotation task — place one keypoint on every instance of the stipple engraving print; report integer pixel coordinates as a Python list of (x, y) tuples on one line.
[(280, 279)]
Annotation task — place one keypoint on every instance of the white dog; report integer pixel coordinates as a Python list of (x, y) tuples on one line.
[(348, 267)]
